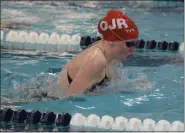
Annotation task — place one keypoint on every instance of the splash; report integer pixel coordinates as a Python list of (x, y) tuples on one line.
[(45, 86), (126, 81), (31, 90)]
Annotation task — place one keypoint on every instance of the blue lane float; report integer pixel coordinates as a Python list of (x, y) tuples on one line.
[(119, 123)]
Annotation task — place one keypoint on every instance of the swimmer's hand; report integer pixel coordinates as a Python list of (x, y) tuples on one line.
[(86, 76)]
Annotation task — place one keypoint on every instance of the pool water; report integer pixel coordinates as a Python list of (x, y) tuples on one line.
[(156, 77)]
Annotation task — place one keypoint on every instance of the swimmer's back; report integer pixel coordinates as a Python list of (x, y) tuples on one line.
[(74, 65)]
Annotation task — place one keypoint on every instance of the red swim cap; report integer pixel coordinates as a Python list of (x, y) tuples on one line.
[(116, 26)]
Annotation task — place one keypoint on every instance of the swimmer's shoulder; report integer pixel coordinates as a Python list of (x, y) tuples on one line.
[(95, 61), (96, 55), (92, 56)]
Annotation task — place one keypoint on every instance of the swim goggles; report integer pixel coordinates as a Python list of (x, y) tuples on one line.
[(131, 43)]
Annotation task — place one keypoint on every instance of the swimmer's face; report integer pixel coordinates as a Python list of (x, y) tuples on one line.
[(121, 50)]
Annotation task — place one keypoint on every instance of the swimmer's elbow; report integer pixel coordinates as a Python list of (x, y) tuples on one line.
[(74, 91), (79, 85), (85, 77), (69, 93)]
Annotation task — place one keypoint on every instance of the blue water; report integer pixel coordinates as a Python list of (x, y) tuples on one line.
[(164, 100)]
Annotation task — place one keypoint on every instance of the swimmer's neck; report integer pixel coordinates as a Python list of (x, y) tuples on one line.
[(107, 52)]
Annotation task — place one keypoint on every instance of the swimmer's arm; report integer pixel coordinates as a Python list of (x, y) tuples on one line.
[(86, 76)]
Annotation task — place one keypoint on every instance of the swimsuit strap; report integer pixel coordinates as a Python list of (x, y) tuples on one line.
[(104, 55), (70, 79)]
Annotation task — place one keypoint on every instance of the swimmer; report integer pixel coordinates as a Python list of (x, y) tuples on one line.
[(96, 64)]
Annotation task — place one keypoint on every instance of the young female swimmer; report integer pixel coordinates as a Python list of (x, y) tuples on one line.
[(96, 64)]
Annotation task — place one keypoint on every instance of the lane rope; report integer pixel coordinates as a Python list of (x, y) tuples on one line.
[(53, 42), (119, 123)]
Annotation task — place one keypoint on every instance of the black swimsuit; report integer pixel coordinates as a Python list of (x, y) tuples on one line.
[(94, 86)]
